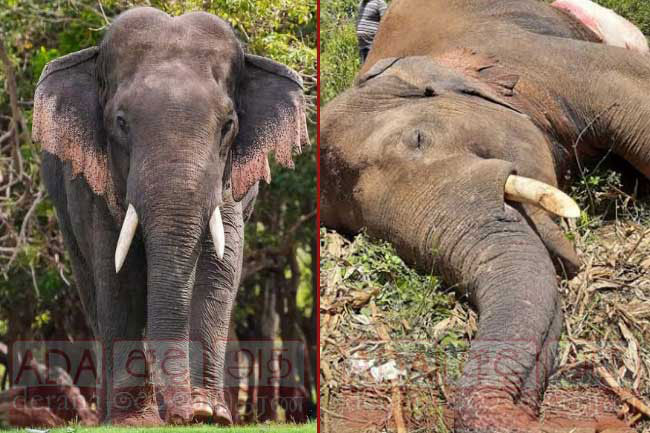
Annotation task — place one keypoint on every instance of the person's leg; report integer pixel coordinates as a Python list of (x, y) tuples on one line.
[(363, 53)]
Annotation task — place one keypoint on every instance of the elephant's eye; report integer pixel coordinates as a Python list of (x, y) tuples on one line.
[(418, 139), (121, 122), (227, 127)]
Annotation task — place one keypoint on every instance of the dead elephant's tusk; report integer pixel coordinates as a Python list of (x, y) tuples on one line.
[(216, 229), (126, 237), (526, 190)]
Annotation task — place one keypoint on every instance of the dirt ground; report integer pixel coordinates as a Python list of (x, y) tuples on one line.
[(393, 342)]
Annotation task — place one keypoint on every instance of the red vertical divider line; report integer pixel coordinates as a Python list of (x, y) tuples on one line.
[(317, 288)]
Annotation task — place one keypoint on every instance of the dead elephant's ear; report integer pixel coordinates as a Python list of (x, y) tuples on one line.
[(271, 110), (377, 69), (68, 120), (426, 77)]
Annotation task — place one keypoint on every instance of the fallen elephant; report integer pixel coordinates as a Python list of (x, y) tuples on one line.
[(454, 144)]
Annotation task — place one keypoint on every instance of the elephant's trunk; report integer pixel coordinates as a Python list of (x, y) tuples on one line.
[(462, 226), (512, 284), (174, 214), (171, 261), (174, 205), (172, 236)]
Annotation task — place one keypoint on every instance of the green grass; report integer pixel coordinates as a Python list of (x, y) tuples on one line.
[(270, 428)]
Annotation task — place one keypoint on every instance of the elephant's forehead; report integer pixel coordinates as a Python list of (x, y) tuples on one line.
[(375, 132), (149, 38), (164, 40), (150, 21), (453, 123)]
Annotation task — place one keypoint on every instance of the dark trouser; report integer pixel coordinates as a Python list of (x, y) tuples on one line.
[(363, 53), (365, 42)]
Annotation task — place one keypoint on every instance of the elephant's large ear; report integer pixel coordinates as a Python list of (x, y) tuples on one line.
[(68, 119), (430, 77), (271, 110)]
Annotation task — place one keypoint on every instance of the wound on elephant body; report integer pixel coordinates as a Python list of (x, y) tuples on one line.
[(611, 28)]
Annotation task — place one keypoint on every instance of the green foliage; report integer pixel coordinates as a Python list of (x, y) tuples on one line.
[(282, 30), (603, 195), (339, 50), (592, 191), (305, 296), (41, 58), (400, 290)]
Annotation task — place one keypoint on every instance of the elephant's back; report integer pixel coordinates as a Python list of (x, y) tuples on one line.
[(425, 27), (537, 17)]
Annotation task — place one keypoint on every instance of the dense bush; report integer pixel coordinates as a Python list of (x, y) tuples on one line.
[(339, 51)]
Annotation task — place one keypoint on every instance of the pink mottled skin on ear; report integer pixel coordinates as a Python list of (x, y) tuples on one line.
[(283, 137), (68, 140)]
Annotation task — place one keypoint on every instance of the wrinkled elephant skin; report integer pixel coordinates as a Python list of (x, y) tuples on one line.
[(454, 99), (153, 146)]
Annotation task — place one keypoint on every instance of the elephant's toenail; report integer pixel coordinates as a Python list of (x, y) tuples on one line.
[(202, 410), (222, 416)]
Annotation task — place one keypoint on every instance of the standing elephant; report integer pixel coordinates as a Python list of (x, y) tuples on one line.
[(153, 146), (451, 145)]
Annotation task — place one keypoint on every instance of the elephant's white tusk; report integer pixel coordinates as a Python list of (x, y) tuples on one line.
[(216, 229), (526, 190), (126, 237)]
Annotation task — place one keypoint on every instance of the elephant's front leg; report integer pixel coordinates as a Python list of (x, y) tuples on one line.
[(214, 292), (126, 395)]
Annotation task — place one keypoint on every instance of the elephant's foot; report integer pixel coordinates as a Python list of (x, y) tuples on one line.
[(206, 409), (222, 415), (201, 405), (202, 410), (177, 405), (135, 407), (146, 418), (606, 424), (485, 412)]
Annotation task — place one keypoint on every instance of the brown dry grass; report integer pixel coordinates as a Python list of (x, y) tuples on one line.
[(607, 324)]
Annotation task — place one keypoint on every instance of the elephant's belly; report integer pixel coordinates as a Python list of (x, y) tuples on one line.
[(613, 29)]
